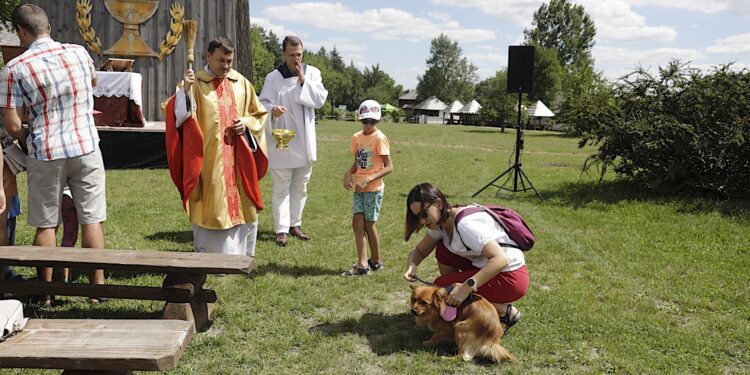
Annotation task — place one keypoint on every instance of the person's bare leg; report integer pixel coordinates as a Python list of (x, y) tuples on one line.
[(374, 240), (45, 237), (93, 238), (70, 228), (501, 308), (360, 237), (10, 187)]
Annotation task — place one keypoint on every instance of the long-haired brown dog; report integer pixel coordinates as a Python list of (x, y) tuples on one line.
[(476, 329)]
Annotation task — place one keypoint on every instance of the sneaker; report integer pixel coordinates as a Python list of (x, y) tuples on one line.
[(511, 317), (375, 266), (357, 270)]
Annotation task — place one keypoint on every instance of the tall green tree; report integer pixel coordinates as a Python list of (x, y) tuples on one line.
[(273, 45), (379, 86), (337, 62), (263, 59), (6, 8), (548, 75), (498, 107), (449, 76), (565, 27)]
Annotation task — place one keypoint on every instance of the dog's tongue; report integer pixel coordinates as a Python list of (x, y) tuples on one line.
[(449, 313)]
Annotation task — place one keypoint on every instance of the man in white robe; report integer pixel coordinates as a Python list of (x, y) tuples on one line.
[(292, 92)]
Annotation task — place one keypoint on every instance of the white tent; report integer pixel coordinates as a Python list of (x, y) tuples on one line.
[(470, 113), (538, 109), (471, 107), (455, 107), (431, 104), (452, 109)]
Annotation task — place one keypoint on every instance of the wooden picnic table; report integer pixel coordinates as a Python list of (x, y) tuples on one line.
[(182, 288), (82, 346)]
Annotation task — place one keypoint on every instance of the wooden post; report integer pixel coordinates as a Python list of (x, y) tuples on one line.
[(197, 310)]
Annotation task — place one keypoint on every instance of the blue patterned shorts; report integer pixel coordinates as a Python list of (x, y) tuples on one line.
[(368, 204)]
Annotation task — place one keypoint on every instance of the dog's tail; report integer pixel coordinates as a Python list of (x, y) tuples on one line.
[(497, 353)]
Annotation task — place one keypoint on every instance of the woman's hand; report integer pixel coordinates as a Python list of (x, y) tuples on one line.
[(459, 293), (411, 273)]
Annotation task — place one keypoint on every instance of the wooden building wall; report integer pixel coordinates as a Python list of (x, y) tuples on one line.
[(230, 18)]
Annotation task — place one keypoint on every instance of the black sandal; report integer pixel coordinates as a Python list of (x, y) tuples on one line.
[(510, 318), (357, 270), (375, 266)]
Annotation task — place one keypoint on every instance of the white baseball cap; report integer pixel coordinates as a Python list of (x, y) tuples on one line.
[(369, 109)]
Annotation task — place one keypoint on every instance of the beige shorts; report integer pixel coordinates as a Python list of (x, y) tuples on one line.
[(47, 179), (15, 158)]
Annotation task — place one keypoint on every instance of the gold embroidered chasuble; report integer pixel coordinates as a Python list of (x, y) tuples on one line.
[(218, 201)]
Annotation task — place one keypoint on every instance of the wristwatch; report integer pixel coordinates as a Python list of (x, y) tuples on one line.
[(472, 283)]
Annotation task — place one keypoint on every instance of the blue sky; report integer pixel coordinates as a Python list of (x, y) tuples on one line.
[(397, 34)]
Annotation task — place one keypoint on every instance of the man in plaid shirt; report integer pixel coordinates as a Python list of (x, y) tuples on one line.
[(55, 82)]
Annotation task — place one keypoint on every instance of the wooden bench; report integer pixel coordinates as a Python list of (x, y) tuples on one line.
[(182, 288), (97, 346)]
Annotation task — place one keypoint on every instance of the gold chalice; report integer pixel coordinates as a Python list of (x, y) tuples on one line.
[(131, 13), (283, 137)]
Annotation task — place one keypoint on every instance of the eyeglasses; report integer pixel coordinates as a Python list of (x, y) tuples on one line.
[(423, 214), (369, 121)]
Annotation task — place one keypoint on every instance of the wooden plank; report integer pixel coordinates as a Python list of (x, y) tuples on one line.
[(178, 295), (97, 345), (129, 260)]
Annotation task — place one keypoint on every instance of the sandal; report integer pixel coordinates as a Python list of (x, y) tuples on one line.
[(97, 300), (357, 270), (375, 266), (511, 317)]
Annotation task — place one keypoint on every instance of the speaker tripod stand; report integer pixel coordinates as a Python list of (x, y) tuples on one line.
[(515, 172)]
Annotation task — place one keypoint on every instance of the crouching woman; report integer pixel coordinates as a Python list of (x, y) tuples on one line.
[(469, 255)]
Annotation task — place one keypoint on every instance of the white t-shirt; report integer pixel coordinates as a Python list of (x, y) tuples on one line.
[(477, 230)]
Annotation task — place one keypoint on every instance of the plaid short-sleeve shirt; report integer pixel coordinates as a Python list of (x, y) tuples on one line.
[(53, 81)]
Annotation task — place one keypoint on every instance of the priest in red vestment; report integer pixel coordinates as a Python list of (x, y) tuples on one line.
[(217, 153)]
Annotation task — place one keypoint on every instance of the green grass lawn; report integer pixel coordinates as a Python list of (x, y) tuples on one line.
[(623, 280)]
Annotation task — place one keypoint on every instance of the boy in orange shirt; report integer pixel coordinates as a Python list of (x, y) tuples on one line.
[(372, 162)]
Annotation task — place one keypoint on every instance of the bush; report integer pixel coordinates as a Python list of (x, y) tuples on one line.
[(681, 129)]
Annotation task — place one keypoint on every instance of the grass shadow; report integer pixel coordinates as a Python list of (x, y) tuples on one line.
[(292, 270), (266, 235), (386, 334), (174, 236), (484, 131), (64, 309), (580, 194)]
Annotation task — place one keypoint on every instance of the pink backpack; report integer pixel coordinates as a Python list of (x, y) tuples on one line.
[(510, 220)]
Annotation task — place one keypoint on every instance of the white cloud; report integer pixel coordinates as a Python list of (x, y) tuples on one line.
[(735, 44), (279, 30), (615, 20), (486, 47), (348, 49), (380, 24), (632, 58), (519, 12), (487, 58), (703, 6)]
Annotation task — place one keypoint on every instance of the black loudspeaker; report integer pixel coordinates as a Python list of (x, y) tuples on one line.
[(521, 69)]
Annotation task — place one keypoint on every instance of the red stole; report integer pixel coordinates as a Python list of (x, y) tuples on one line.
[(185, 154)]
